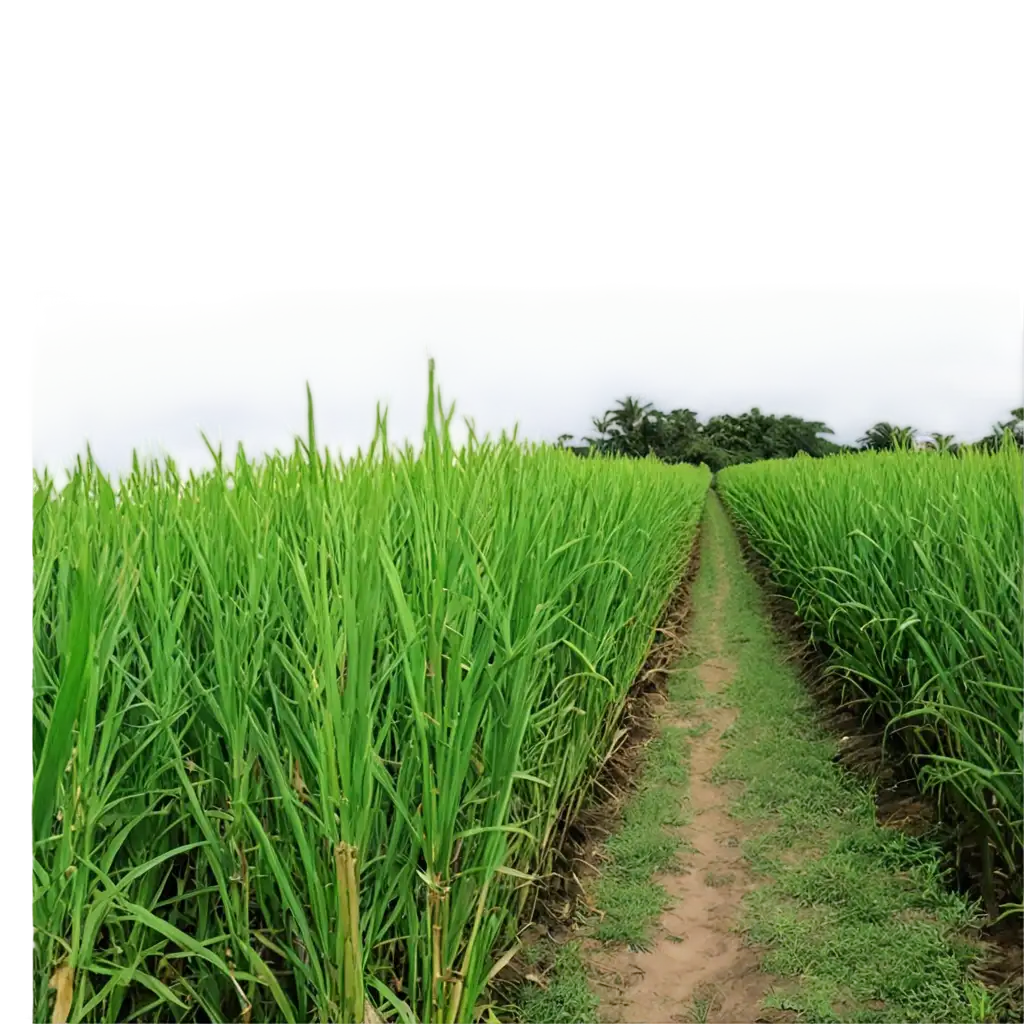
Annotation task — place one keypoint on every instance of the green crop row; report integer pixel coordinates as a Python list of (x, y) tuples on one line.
[(908, 567), (306, 733)]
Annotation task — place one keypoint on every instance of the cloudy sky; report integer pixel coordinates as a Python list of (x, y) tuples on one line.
[(943, 361)]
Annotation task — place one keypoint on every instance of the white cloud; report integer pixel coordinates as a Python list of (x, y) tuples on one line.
[(944, 361)]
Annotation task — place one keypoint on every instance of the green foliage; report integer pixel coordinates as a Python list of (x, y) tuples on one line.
[(1011, 431), (857, 919), (304, 731), (907, 567), (885, 437), (636, 430), (645, 844), (566, 997)]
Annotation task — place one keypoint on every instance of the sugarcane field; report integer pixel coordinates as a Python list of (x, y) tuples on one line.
[(511, 731)]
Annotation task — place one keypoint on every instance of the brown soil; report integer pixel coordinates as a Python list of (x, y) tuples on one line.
[(698, 966)]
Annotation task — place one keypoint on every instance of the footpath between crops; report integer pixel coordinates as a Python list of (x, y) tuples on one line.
[(749, 879)]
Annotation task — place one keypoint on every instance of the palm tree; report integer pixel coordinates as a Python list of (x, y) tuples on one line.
[(634, 426), (1014, 426), (877, 438), (602, 424), (787, 436), (885, 437), (943, 443), (903, 438), (631, 413)]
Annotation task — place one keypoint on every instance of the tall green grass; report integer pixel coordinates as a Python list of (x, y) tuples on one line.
[(306, 732), (908, 567)]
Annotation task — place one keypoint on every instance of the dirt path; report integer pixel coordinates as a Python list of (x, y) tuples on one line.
[(698, 967)]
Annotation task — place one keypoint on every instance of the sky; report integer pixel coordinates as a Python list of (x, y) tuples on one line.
[(147, 372)]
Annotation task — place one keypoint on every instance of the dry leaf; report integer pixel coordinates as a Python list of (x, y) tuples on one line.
[(370, 1014), (63, 981), (299, 783)]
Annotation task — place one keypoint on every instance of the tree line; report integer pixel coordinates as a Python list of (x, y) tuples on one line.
[(637, 429)]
